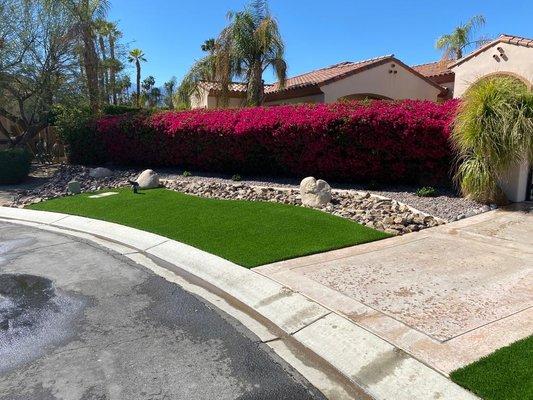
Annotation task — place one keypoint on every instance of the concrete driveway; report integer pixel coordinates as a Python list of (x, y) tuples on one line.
[(447, 295), (77, 322)]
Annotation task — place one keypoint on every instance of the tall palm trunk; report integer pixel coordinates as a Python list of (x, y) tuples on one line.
[(90, 59), (255, 84), (104, 73), (112, 73), (138, 66)]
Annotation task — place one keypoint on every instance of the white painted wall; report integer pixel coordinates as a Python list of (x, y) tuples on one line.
[(200, 99), (519, 62), (204, 100), (378, 80), (514, 183), (317, 98), (233, 102)]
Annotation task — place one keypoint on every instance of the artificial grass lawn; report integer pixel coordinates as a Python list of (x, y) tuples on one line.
[(247, 233), (506, 374)]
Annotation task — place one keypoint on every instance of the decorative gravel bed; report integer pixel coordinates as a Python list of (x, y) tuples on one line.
[(392, 211)]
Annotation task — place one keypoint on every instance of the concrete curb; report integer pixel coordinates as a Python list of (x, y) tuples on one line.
[(374, 367)]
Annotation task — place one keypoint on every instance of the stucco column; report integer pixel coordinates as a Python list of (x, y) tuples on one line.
[(514, 182)]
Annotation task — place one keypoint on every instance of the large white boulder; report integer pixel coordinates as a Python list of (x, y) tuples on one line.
[(100, 172), (148, 180), (315, 193)]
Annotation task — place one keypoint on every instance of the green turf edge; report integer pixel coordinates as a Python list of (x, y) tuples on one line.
[(242, 255), (506, 374)]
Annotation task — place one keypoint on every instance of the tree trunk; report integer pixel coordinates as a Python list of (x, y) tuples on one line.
[(104, 71), (112, 72), (90, 59), (138, 66), (255, 85)]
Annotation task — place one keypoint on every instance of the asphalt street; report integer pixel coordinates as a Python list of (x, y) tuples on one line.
[(79, 322)]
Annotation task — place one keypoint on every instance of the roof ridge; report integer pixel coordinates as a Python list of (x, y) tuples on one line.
[(341, 64), (428, 63)]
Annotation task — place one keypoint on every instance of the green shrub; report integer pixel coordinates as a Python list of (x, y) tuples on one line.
[(426, 191), (493, 131), (76, 128), (186, 174), (236, 178), (119, 109), (14, 165)]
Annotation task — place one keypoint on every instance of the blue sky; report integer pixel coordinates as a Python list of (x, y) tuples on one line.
[(317, 33)]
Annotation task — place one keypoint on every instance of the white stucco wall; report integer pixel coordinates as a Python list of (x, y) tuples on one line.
[(233, 102), (514, 183), (200, 99), (378, 80), (519, 62), (317, 98), (204, 100)]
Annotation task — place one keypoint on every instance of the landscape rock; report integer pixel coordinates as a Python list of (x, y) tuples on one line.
[(362, 207), (100, 172), (74, 187), (148, 179), (315, 193)]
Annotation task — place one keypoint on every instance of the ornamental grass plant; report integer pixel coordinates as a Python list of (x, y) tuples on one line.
[(493, 132)]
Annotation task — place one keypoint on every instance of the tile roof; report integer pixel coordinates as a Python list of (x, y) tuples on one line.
[(433, 69), (327, 74), (510, 39), (324, 76)]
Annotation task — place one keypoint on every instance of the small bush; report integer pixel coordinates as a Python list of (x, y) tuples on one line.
[(426, 191), (186, 174), (14, 165), (119, 109), (82, 142), (236, 178)]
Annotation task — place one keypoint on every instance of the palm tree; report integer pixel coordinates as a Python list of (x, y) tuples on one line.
[(86, 14), (249, 45), (493, 132), (170, 88), (103, 29), (115, 65), (453, 44), (209, 46), (137, 56)]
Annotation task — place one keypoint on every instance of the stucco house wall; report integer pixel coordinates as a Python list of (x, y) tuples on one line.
[(518, 61), (313, 99), (377, 80), (505, 59)]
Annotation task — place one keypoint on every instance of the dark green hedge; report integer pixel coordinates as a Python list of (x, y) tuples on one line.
[(14, 165)]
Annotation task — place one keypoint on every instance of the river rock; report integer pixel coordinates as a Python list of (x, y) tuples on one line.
[(100, 172), (315, 193)]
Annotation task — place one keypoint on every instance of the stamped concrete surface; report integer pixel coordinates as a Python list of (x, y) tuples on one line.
[(79, 322), (447, 295)]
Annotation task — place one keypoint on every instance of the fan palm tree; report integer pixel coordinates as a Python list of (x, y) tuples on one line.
[(86, 14), (103, 29), (137, 56), (492, 133), (115, 65), (209, 46), (249, 45), (454, 44)]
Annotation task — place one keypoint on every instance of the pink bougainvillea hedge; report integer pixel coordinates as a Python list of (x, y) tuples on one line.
[(383, 141)]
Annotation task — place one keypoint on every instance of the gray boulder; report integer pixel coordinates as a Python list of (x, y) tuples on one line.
[(74, 187), (100, 172), (148, 180), (315, 193)]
